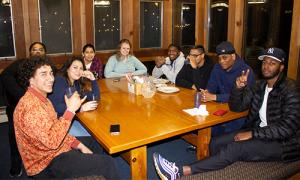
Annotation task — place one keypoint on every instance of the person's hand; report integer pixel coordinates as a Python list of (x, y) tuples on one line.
[(193, 62), (74, 102), (194, 87), (89, 75), (242, 136), (89, 106), (81, 147), (159, 61), (207, 96), (241, 81)]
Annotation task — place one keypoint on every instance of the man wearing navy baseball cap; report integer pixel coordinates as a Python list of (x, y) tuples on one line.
[(221, 81), (272, 132), (274, 53)]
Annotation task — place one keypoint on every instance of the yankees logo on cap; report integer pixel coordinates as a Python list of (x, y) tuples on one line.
[(274, 53)]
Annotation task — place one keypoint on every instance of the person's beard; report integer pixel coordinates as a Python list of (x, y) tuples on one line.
[(272, 75)]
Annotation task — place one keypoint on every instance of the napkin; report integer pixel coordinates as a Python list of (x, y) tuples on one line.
[(197, 111)]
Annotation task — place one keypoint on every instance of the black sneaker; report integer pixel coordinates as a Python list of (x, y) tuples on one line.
[(15, 171), (191, 148), (165, 169)]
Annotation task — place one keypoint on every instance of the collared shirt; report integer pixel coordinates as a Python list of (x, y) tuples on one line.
[(40, 135), (96, 66), (170, 69)]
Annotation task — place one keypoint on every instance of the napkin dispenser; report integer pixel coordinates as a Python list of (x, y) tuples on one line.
[(135, 88)]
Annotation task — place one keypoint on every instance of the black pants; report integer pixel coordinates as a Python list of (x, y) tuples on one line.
[(91, 143), (225, 151), (15, 157), (74, 164)]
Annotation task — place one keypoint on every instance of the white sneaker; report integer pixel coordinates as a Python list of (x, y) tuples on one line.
[(165, 169)]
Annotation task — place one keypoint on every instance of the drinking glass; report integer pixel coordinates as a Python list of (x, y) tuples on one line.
[(95, 98), (148, 89), (70, 91), (96, 75), (197, 99)]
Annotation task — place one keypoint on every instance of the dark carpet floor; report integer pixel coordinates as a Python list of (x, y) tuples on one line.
[(173, 149)]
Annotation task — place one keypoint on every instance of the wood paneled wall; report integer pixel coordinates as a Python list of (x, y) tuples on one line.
[(27, 28), (294, 55)]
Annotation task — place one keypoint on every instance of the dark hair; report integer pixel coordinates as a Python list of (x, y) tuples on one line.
[(40, 43), (119, 47), (88, 46), (84, 83), (175, 46), (28, 68), (199, 48)]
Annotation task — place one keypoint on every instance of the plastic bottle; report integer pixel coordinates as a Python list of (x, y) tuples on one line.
[(197, 99)]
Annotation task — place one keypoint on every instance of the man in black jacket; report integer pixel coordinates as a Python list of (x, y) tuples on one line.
[(273, 126), (195, 74), (13, 92)]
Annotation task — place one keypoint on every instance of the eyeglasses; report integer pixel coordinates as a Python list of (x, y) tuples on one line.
[(195, 55)]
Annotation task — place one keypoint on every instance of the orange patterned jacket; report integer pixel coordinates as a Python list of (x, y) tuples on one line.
[(40, 135)]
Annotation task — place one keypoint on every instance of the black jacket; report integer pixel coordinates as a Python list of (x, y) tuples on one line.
[(188, 76), (283, 113), (13, 90)]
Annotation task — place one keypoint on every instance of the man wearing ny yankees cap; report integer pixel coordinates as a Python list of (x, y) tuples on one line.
[(272, 131)]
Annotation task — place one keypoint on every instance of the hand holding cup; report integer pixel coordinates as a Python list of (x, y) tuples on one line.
[(74, 102), (89, 106)]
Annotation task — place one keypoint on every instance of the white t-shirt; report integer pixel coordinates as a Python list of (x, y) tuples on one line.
[(88, 66), (263, 109)]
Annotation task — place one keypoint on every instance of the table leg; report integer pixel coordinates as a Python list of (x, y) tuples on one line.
[(204, 136), (137, 159)]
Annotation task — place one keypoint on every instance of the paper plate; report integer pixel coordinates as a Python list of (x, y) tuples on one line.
[(168, 89), (160, 81), (160, 85)]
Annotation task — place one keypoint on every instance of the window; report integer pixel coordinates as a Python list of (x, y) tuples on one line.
[(107, 24), (218, 23), (268, 23), (188, 24), (7, 48), (56, 25), (150, 24)]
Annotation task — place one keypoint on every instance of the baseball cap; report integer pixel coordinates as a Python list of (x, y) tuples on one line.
[(274, 53), (225, 47)]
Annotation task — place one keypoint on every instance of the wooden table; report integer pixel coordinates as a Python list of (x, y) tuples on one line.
[(144, 121)]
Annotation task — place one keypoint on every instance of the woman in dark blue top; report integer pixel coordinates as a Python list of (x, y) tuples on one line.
[(74, 74)]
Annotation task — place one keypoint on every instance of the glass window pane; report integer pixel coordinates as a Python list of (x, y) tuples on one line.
[(268, 24), (188, 24), (56, 25), (6, 35), (218, 23), (107, 24), (150, 24)]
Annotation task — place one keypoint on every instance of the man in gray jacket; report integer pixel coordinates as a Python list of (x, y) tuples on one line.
[(169, 66)]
